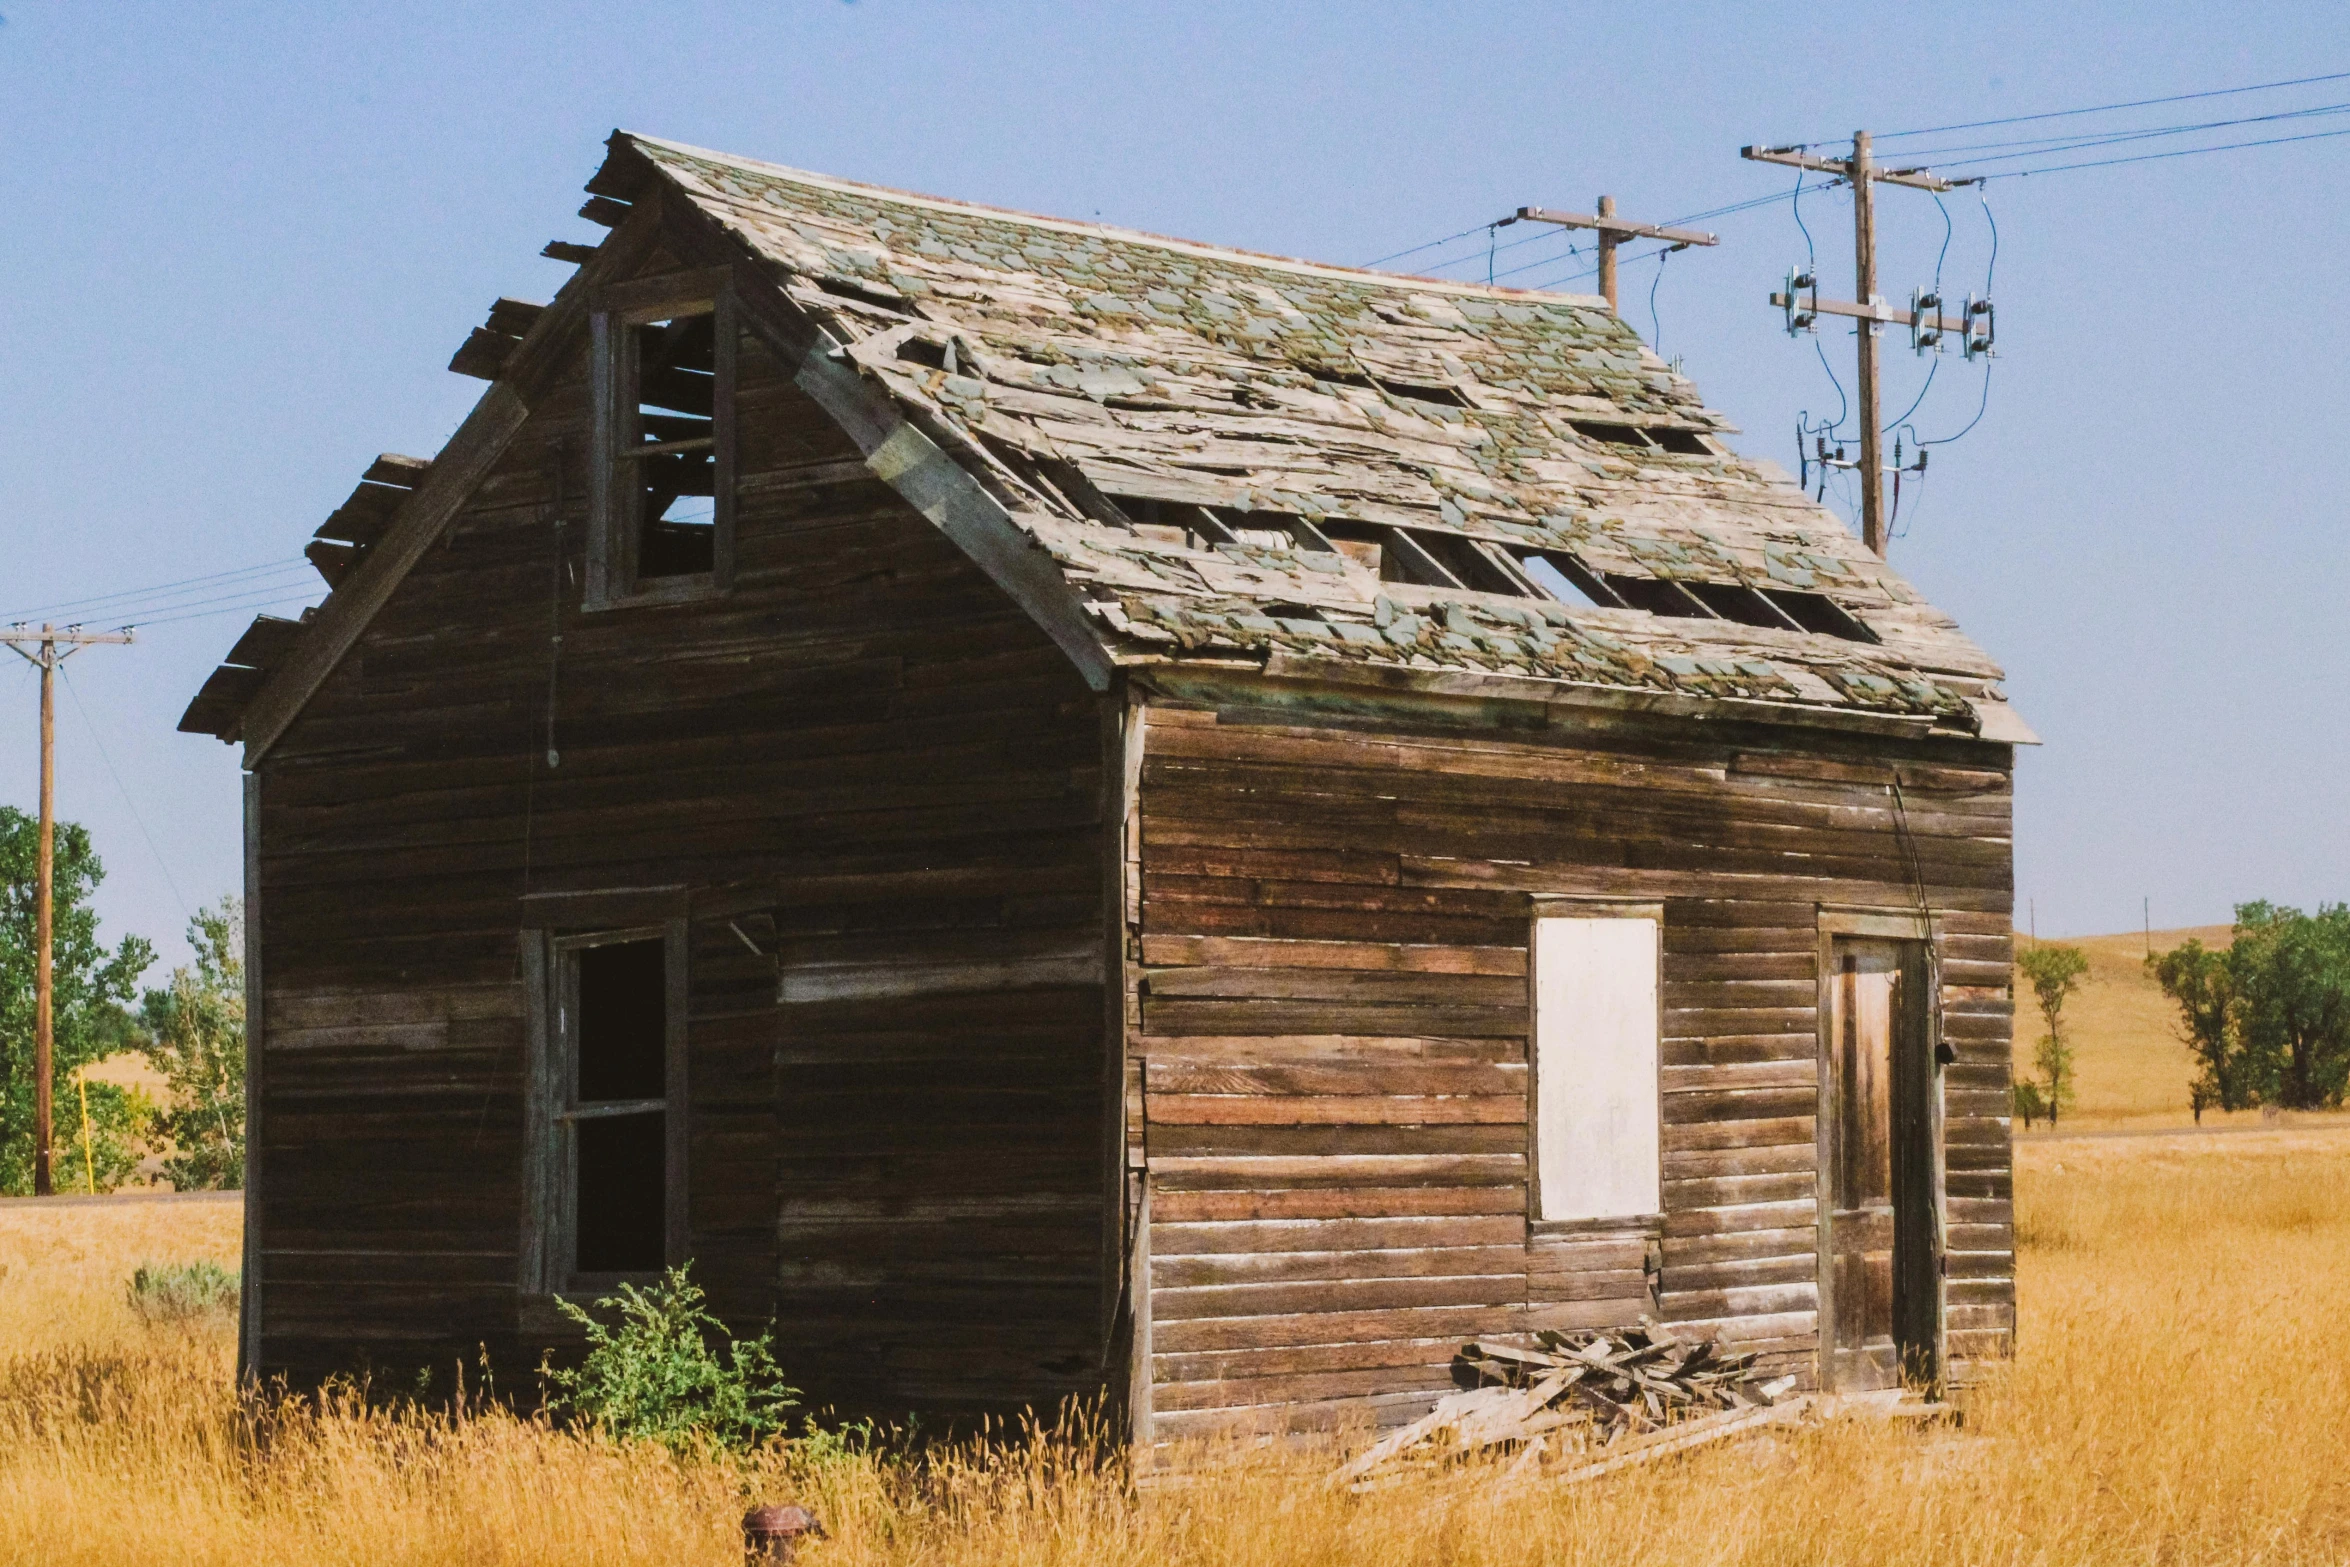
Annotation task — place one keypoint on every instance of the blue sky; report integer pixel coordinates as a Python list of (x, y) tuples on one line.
[(242, 241)]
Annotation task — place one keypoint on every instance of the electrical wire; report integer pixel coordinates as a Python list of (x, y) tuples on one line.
[(1542, 261), (1931, 369), (281, 601), (1990, 272), (2156, 157), (1991, 267), (164, 613), (1431, 245), (161, 863), (1804, 428), (1915, 401), (2054, 144), (1811, 254), (98, 606), (2124, 138), (1656, 333), (2108, 108), (1730, 210), (1546, 234)]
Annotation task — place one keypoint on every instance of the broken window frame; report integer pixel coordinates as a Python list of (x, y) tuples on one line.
[(616, 524), (553, 1110), (1539, 1133)]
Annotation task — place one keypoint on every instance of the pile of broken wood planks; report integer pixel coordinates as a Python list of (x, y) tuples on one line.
[(1639, 1391)]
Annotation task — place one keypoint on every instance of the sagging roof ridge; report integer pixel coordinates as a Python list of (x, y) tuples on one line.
[(1304, 266)]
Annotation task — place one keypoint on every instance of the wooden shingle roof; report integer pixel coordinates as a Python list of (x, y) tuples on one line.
[(1118, 380), (1241, 462)]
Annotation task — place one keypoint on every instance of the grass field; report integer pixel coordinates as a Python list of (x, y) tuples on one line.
[(2183, 1372)]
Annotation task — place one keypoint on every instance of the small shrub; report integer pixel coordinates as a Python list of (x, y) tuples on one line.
[(656, 1378), (183, 1292)]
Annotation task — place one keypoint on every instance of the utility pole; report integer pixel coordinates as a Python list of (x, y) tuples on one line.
[(1612, 232), (45, 655), (1926, 323)]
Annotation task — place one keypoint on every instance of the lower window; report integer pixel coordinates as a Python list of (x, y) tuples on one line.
[(607, 1108)]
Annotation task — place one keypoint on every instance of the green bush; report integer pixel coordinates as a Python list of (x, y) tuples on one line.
[(183, 1292), (655, 1377)]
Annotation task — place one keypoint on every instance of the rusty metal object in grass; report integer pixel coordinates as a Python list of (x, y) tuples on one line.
[(772, 1534)]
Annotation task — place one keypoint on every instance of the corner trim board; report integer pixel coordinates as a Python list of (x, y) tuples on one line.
[(256, 1082)]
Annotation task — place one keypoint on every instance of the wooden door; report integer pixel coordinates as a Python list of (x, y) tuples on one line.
[(1880, 1276)]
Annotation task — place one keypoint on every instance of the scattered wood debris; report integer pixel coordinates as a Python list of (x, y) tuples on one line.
[(1570, 1393)]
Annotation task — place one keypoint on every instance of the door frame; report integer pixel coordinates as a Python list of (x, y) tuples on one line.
[(1884, 925)]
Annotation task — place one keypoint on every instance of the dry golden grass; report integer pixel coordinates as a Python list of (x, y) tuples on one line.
[(2184, 1368)]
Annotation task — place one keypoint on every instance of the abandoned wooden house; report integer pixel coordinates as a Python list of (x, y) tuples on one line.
[(1064, 812)]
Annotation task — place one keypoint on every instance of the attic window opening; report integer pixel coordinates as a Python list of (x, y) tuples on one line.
[(662, 494)]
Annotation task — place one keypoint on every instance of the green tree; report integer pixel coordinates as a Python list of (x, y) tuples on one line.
[(2056, 972), (2291, 975), (2199, 980), (192, 1030), (2028, 1102), (89, 1018)]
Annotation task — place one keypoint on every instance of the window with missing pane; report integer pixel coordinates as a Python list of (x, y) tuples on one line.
[(613, 1142), (661, 523)]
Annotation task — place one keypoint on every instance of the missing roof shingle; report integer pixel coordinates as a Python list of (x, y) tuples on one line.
[(1645, 438), (1444, 396), (1570, 581)]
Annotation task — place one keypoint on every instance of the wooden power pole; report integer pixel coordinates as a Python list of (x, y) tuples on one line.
[(48, 648), (1923, 318), (1612, 232)]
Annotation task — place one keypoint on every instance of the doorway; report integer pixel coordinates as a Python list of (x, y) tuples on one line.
[(1880, 1166)]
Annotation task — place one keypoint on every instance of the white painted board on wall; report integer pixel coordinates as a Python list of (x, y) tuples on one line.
[(1596, 1138)]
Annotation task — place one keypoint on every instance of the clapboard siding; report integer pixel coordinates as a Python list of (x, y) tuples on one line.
[(864, 761), (1330, 1008)]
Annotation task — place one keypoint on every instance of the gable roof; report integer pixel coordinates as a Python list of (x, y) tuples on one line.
[(1230, 460)]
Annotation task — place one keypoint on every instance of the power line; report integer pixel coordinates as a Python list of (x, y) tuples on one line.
[(1731, 210), (1535, 238), (1431, 245), (281, 601), (161, 863), (97, 607), (162, 613), (2156, 157), (2053, 144), (2121, 138), (2108, 108)]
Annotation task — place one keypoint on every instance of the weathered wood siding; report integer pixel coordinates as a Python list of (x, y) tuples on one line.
[(1329, 1020), (865, 756)]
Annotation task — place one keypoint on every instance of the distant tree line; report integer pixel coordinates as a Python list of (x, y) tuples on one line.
[(2268, 1017), (191, 1030)]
